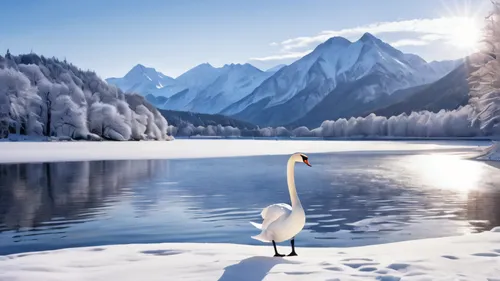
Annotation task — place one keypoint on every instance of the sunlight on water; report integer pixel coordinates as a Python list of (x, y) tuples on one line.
[(446, 171)]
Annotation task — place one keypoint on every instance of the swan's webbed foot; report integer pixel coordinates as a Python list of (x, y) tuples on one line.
[(293, 253), (276, 254)]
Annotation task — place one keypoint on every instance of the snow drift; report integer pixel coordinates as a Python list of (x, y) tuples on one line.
[(468, 257)]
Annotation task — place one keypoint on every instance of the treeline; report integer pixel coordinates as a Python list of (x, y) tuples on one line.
[(47, 97), (455, 123), (181, 118)]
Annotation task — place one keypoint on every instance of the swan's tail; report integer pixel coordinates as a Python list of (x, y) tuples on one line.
[(257, 225), (261, 237)]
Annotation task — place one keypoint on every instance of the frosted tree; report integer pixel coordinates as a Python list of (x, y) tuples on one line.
[(17, 99), (68, 119), (44, 96), (107, 122), (485, 81), (4, 114)]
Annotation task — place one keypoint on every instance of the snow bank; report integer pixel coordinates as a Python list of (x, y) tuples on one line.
[(470, 257), (16, 152), (492, 153)]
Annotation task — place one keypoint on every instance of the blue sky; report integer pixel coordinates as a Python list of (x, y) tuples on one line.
[(111, 36)]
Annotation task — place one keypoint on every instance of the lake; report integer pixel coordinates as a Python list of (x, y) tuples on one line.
[(350, 199)]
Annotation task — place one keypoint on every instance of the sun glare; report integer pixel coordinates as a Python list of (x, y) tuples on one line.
[(466, 34), (446, 172)]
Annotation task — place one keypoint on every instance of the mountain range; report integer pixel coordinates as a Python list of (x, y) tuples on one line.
[(338, 79)]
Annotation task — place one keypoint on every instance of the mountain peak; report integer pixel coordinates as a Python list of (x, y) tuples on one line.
[(368, 37), (245, 66), (337, 40), (139, 66), (231, 65), (206, 65), (139, 70)]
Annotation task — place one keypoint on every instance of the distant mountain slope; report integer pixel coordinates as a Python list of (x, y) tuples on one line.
[(342, 103), (450, 92), (276, 68), (193, 81), (234, 82), (177, 118), (338, 76), (203, 88), (146, 80)]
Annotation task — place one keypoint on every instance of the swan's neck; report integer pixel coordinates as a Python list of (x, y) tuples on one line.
[(291, 184)]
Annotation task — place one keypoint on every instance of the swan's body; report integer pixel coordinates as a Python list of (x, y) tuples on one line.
[(281, 221)]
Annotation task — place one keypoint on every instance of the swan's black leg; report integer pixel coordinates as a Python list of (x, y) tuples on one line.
[(276, 254), (293, 248)]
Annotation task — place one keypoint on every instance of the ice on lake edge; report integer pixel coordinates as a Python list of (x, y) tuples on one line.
[(467, 257), (25, 152)]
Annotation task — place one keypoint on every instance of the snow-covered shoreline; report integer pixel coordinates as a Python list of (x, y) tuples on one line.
[(22, 152), (468, 257), (491, 153)]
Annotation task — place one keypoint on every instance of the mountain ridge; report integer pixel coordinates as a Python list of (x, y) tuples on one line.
[(369, 69), (336, 61)]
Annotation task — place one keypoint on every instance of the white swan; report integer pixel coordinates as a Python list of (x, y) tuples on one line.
[(281, 221)]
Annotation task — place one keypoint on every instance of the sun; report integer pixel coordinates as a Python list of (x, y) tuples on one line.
[(465, 30), (465, 34)]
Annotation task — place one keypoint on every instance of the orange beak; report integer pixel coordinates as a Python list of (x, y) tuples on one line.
[(307, 163)]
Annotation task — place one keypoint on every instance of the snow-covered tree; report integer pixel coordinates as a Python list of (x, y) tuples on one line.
[(44, 96), (17, 99), (485, 80)]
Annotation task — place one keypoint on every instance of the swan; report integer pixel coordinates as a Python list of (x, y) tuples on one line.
[(281, 221)]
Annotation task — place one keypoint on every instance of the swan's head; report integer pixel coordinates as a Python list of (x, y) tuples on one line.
[(301, 157)]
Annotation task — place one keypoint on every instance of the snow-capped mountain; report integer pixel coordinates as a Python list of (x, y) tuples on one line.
[(234, 82), (339, 78), (193, 81), (449, 92), (204, 88), (146, 80), (355, 73)]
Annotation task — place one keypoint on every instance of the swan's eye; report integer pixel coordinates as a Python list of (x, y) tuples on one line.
[(305, 160)]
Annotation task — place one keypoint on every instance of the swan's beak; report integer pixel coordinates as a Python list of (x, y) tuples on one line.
[(307, 162)]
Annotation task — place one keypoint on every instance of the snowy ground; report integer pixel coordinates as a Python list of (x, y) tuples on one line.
[(471, 257), (492, 153), (12, 152)]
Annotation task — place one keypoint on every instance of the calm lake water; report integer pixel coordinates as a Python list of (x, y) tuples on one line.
[(350, 199)]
